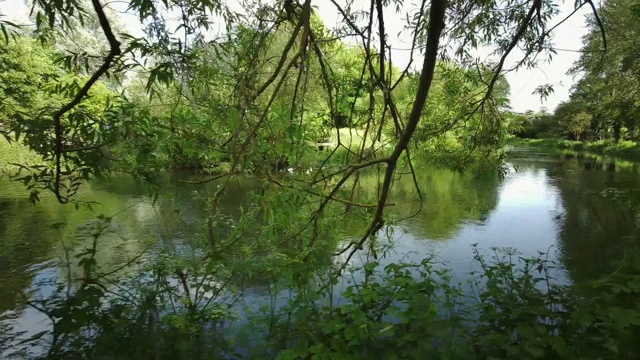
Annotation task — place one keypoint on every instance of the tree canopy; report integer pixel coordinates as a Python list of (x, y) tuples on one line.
[(265, 93), (605, 101)]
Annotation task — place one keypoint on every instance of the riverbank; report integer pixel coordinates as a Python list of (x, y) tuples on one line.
[(624, 149)]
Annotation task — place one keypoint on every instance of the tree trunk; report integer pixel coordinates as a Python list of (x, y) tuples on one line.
[(616, 131)]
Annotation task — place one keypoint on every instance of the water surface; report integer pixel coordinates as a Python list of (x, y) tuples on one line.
[(546, 202)]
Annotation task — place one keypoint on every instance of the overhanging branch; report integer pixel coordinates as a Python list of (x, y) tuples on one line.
[(436, 25), (114, 51)]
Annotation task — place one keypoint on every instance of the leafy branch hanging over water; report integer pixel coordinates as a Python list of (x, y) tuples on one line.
[(263, 98)]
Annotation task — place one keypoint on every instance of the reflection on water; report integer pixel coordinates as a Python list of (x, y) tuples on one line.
[(546, 202)]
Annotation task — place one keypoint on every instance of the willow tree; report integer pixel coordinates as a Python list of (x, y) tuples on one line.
[(285, 64)]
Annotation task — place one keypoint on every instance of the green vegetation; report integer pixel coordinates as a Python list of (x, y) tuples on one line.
[(602, 114), (82, 100), (510, 307), (15, 153), (624, 148)]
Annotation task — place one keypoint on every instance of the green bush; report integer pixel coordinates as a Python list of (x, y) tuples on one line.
[(510, 307)]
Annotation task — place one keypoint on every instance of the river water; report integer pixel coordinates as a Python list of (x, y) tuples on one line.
[(548, 202)]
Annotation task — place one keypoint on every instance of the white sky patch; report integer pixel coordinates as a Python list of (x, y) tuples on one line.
[(567, 39)]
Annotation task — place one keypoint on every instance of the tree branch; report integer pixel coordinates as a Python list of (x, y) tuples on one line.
[(436, 25), (57, 117)]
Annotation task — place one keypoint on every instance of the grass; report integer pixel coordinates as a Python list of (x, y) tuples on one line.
[(624, 148), (16, 153), (353, 138)]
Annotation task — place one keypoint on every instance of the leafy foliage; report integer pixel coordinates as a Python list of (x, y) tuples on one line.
[(510, 307), (606, 96), (264, 98)]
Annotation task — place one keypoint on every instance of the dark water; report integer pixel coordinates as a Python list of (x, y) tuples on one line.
[(546, 202)]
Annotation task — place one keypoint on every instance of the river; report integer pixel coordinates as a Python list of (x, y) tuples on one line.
[(547, 202)]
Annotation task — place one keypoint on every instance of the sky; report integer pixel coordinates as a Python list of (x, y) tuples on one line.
[(566, 37)]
